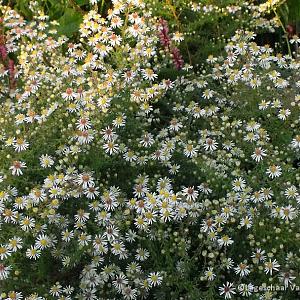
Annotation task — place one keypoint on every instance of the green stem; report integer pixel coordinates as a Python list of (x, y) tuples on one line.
[(125, 22), (101, 7), (173, 10), (76, 7), (285, 33)]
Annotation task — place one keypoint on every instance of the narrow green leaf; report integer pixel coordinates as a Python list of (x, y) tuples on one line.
[(69, 22), (82, 2)]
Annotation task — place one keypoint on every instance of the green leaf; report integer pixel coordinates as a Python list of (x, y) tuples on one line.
[(23, 8), (54, 8), (284, 13), (82, 2), (294, 10), (69, 22)]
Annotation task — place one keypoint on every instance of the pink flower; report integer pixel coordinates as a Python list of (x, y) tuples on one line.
[(177, 58), (3, 52), (165, 40)]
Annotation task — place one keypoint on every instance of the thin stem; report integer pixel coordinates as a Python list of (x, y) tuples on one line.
[(173, 10), (285, 32), (101, 7), (125, 22), (76, 7)]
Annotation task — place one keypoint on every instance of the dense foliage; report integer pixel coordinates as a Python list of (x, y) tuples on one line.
[(149, 150)]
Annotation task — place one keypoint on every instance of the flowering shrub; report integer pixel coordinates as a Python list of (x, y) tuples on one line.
[(118, 183)]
